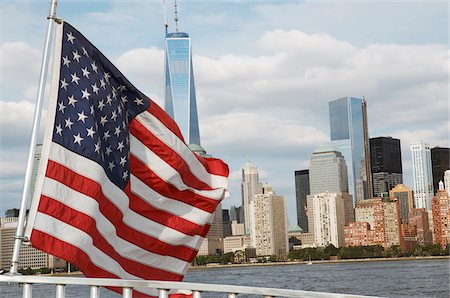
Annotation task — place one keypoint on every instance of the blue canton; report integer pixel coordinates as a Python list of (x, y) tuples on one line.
[(95, 105)]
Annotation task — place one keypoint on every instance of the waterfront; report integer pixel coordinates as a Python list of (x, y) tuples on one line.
[(420, 278)]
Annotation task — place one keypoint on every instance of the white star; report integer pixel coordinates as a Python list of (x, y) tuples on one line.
[(108, 99), (124, 125), (75, 78), (107, 76), (122, 88), (70, 37), (85, 93), (120, 146), (94, 67), (97, 147), (95, 88), (85, 52), (61, 107), (72, 100), (138, 101), (76, 56), (66, 61), (64, 84), (59, 129), (125, 175), (108, 150), (124, 99), (69, 123), (106, 135), (102, 83), (114, 116), (92, 109), (111, 166), (90, 132), (114, 93), (78, 139), (82, 117), (101, 105), (103, 121), (86, 72), (119, 110), (123, 161), (117, 131)]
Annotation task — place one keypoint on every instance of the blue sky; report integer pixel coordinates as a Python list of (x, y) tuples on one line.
[(265, 72)]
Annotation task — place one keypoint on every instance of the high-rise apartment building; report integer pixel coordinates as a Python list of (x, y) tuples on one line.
[(180, 98), (301, 192), (422, 175), (349, 134), (405, 200), (250, 187), (441, 217), (418, 219), (327, 171), (447, 181), (269, 223), (440, 162), (386, 163), (330, 212)]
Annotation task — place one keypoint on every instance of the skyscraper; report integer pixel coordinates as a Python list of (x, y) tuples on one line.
[(404, 196), (301, 192), (422, 175), (250, 187), (386, 163), (440, 162), (180, 99), (349, 134)]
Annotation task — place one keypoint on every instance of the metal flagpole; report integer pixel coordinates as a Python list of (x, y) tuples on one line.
[(37, 116)]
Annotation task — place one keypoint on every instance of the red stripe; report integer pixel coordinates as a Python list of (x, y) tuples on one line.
[(150, 178), (92, 189), (167, 219), (87, 224), (149, 140), (165, 119)]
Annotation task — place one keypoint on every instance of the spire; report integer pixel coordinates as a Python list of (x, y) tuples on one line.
[(176, 16)]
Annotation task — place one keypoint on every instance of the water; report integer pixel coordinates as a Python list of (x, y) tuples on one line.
[(419, 278)]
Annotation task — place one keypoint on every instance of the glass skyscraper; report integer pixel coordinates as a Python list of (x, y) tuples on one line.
[(180, 101), (349, 135)]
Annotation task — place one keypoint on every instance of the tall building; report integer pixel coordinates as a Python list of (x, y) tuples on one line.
[(269, 223), (213, 242), (226, 223), (447, 181), (440, 162), (180, 98), (301, 192), (237, 214), (404, 196), (36, 161), (441, 217), (330, 212), (422, 175), (250, 187), (349, 134), (327, 171), (386, 163), (418, 219)]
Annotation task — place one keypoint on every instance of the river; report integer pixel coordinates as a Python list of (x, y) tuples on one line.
[(418, 278)]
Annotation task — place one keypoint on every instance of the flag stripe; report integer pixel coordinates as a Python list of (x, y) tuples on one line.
[(88, 208), (129, 225)]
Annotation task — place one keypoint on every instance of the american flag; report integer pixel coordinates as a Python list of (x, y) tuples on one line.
[(119, 194)]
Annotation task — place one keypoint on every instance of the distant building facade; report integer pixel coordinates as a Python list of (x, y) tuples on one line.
[(405, 199), (422, 175), (250, 187), (386, 163), (301, 193), (213, 242), (441, 217), (447, 181), (440, 162)]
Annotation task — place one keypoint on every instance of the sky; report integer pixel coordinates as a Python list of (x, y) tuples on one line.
[(265, 72)]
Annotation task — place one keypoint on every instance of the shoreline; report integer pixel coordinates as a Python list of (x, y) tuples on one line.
[(215, 265)]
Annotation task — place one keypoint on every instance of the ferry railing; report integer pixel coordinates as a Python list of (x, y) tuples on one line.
[(162, 287)]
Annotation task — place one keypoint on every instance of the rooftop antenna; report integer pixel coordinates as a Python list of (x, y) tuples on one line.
[(176, 17), (166, 23)]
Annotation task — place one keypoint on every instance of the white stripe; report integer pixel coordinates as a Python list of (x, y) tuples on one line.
[(166, 172), (90, 169), (169, 205), (153, 124), (67, 233), (90, 207)]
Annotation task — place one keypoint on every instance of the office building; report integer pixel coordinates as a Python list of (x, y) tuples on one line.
[(236, 243), (301, 192), (237, 229), (330, 212), (404, 196), (440, 162), (422, 175), (180, 97), (226, 223), (386, 164), (250, 187), (36, 161), (441, 217), (418, 220), (349, 134), (447, 181), (213, 242), (237, 214), (269, 223)]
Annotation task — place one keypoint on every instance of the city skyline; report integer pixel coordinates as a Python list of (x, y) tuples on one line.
[(264, 75)]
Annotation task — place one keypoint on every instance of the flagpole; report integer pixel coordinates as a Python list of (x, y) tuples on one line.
[(31, 151)]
